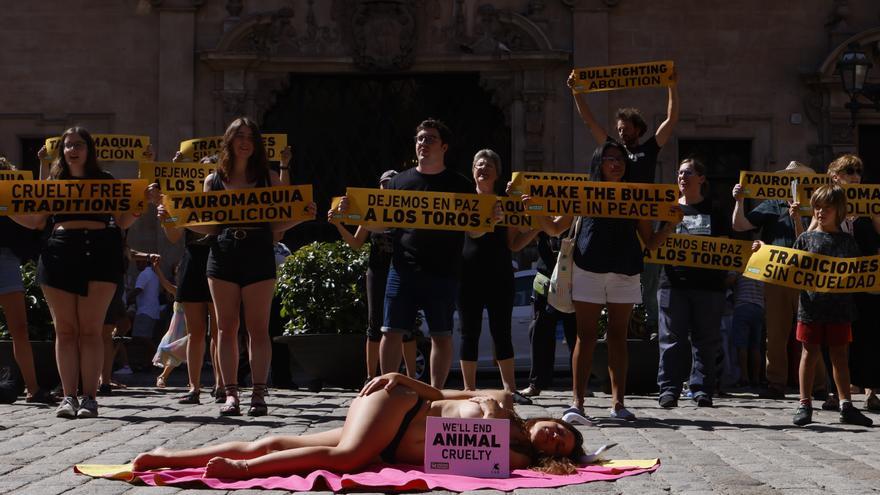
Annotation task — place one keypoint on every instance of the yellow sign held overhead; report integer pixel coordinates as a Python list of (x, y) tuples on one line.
[(24, 197), (418, 209), (813, 272), (198, 148), (628, 76), (234, 206), (110, 147)]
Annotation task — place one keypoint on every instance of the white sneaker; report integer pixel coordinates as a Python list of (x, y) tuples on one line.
[(67, 408), (88, 407), (574, 416), (623, 413), (125, 370)]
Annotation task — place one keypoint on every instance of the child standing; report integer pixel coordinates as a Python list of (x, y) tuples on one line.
[(825, 318)]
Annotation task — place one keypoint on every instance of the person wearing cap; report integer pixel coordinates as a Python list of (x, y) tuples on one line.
[(780, 223), (377, 274)]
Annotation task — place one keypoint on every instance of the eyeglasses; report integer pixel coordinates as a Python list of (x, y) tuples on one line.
[(426, 138), (77, 145), (612, 159), (850, 170), (687, 172)]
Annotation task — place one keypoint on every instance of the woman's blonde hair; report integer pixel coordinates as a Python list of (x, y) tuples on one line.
[(830, 195), (844, 161)]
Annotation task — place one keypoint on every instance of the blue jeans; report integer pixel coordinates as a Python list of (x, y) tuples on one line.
[(408, 291), (748, 323), (690, 339)]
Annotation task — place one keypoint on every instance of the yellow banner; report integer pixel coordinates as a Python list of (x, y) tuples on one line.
[(702, 252), (604, 199), (514, 212), (418, 209), (517, 180), (16, 175), (176, 177), (252, 205), (110, 147), (198, 148), (813, 272), (862, 200), (72, 196), (780, 187), (611, 77)]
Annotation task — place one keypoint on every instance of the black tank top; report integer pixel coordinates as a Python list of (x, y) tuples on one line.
[(217, 184)]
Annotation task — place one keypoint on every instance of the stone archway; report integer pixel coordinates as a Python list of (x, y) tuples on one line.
[(252, 62)]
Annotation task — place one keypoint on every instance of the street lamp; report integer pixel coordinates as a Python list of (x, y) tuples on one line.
[(853, 67)]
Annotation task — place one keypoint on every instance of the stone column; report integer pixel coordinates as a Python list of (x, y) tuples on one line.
[(590, 45)]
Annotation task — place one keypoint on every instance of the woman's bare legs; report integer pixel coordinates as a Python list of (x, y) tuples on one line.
[(587, 316), (227, 302), (16, 321), (196, 315), (109, 353), (62, 305), (90, 312), (410, 351), (257, 302), (618, 323), (215, 356)]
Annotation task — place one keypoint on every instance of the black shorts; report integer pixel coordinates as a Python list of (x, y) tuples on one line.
[(71, 258), (242, 256), (192, 275)]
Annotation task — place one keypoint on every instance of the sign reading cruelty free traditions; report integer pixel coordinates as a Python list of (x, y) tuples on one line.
[(176, 177), (813, 272), (198, 148), (253, 205), (604, 199), (468, 447), (110, 147), (418, 209), (611, 77), (701, 252), (72, 196)]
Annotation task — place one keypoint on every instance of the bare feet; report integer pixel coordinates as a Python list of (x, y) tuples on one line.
[(221, 467), (150, 460)]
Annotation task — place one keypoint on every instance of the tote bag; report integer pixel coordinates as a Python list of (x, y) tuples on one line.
[(559, 293)]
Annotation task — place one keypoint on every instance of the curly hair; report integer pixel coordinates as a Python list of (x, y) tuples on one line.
[(634, 117), (539, 461)]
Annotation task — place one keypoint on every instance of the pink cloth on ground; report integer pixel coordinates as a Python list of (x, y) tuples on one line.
[(397, 478)]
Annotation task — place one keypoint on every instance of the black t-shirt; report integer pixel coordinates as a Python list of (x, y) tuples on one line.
[(827, 307), (433, 251), (609, 245), (381, 247), (487, 255), (643, 161), (777, 228), (548, 252), (698, 220)]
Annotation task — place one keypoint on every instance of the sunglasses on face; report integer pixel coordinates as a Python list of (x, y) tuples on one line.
[(850, 170), (426, 138)]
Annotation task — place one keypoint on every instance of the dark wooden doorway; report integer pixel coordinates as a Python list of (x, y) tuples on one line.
[(347, 129), (869, 151)]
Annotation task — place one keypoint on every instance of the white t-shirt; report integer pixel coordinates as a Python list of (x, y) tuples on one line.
[(148, 299)]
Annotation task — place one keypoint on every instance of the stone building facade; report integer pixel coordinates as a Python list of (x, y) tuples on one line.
[(757, 79)]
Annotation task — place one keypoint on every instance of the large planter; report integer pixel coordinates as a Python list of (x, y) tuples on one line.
[(335, 359), (641, 376), (44, 361)]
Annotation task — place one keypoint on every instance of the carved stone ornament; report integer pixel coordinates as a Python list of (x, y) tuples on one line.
[(384, 34)]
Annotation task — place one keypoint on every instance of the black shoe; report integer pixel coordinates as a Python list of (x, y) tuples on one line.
[(850, 415), (803, 415), (820, 394), (521, 399), (668, 401), (191, 397), (703, 399), (831, 403)]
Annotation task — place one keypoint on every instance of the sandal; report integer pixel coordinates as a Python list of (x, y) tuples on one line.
[(160, 382), (42, 396), (230, 406), (258, 400), (191, 397)]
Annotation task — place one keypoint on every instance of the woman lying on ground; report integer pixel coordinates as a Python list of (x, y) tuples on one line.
[(371, 435)]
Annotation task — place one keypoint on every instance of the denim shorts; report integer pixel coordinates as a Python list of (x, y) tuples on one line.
[(10, 272), (408, 291)]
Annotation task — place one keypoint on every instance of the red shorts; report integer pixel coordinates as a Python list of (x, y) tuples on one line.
[(832, 334)]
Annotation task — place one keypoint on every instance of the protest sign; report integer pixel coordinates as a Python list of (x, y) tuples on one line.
[(24, 197), (418, 209), (110, 147), (198, 148), (514, 213), (176, 177), (813, 272), (701, 252), (604, 199), (518, 179), (467, 447), (781, 186), (252, 205), (862, 200), (16, 175), (611, 77)]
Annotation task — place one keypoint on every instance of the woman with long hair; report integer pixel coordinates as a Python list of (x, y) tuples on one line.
[(80, 265), (386, 423), (607, 264), (241, 266)]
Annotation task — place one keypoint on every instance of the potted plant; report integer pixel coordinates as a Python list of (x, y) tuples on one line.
[(643, 355), (41, 331), (323, 299)]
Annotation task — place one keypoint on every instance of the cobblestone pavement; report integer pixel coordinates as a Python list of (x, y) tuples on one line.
[(744, 445)]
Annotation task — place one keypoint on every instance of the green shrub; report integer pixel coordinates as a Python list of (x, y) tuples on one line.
[(322, 289)]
